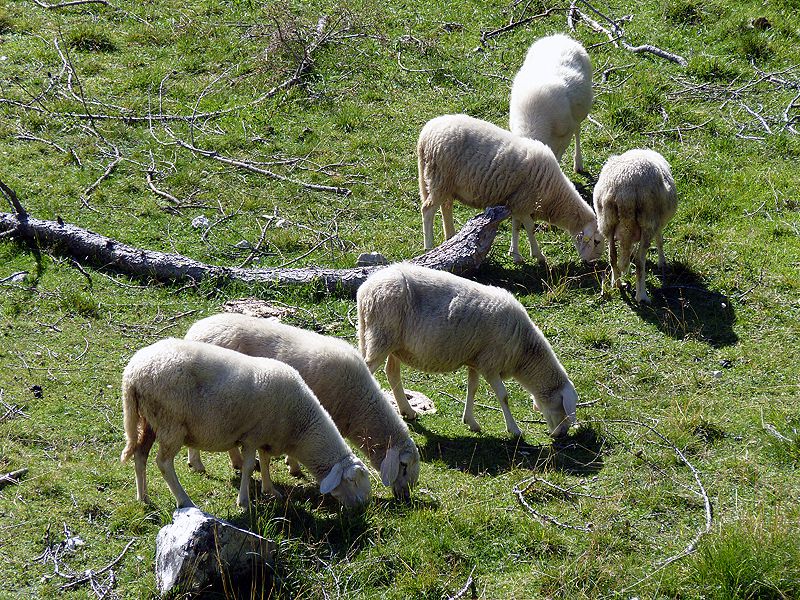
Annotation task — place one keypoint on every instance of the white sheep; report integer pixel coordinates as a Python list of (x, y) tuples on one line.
[(338, 376), (552, 94), (480, 164), (189, 393), (635, 198), (437, 322)]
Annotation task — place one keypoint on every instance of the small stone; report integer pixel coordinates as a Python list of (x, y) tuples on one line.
[(243, 245), (200, 221), (371, 259), (716, 374), (725, 363)]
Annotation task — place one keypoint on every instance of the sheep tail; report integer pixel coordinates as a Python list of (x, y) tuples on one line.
[(135, 423)]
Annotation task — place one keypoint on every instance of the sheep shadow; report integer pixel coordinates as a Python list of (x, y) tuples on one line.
[(580, 453), (686, 308), (532, 278)]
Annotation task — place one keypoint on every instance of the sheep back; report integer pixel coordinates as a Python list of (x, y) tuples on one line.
[(552, 92), (636, 191)]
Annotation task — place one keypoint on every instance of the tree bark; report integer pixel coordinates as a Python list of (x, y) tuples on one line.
[(462, 254)]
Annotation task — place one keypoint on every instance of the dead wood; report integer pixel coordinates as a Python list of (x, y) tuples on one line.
[(461, 254), (12, 478)]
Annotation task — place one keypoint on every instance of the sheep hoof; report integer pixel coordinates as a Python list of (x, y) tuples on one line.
[(409, 415), (643, 299), (518, 259), (473, 426), (201, 468), (516, 432)]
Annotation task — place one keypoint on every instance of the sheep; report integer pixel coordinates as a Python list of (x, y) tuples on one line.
[(182, 392), (635, 198), (552, 94), (338, 376), (437, 322), (481, 164)]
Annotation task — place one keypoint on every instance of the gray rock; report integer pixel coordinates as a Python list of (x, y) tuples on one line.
[(197, 550), (370, 259)]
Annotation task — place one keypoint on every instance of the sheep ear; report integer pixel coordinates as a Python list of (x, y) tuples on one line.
[(569, 400), (390, 466), (332, 479)]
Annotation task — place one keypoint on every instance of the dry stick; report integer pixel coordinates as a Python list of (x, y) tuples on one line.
[(788, 125), (70, 3), (9, 278), (12, 478), (248, 166), (469, 585), (159, 192), (20, 211), (255, 249), (520, 493), (618, 34), (487, 35), (92, 574), (692, 546), (32, 138), (109, 169)]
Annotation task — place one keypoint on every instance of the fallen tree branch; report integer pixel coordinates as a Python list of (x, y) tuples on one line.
[(90, 574), (461, 254)]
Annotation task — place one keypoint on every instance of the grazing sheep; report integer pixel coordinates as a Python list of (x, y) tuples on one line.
[(552, 94), (180, 392), (338, 376), (635, 198), (438, 322), (481, 164)]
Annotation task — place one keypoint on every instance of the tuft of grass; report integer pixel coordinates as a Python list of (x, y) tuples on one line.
[(89, 37), (749, 559), (7, 22)]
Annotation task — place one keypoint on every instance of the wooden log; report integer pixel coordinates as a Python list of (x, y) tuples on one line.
[(461, 254)]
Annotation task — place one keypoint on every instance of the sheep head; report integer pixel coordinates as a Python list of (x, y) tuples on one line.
[(348, 482), (590, 243), (558, 408), (400, 469)]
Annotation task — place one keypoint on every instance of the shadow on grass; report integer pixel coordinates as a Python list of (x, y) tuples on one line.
[(579, 453), (532, 278), (686, 308)]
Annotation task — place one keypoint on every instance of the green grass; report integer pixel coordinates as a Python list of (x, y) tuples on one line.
[(709, 364)]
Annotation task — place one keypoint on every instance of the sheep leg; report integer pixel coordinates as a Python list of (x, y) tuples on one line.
[(502, 396), (393, 375), (194, 461), (236, 458), (578, 158), (536, 253), (267, 487), (248, 466), (447, 220), (624, 256), (641, 262), (473, 378), (513, 251), (294, 466), (428, 212), (140, 463), (165, 459), (616, 279)]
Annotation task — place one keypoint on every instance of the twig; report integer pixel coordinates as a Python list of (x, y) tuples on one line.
[(20, 211), (12, 478), (520, 493), (469, 585), (25, 137), (249, 166), (70, 3), (487, 35), (13, 276), (616, 34), (159, 192), (109, 169), (90, 574)]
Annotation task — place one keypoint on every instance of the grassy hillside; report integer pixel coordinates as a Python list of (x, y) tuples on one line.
[(120, 118)]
